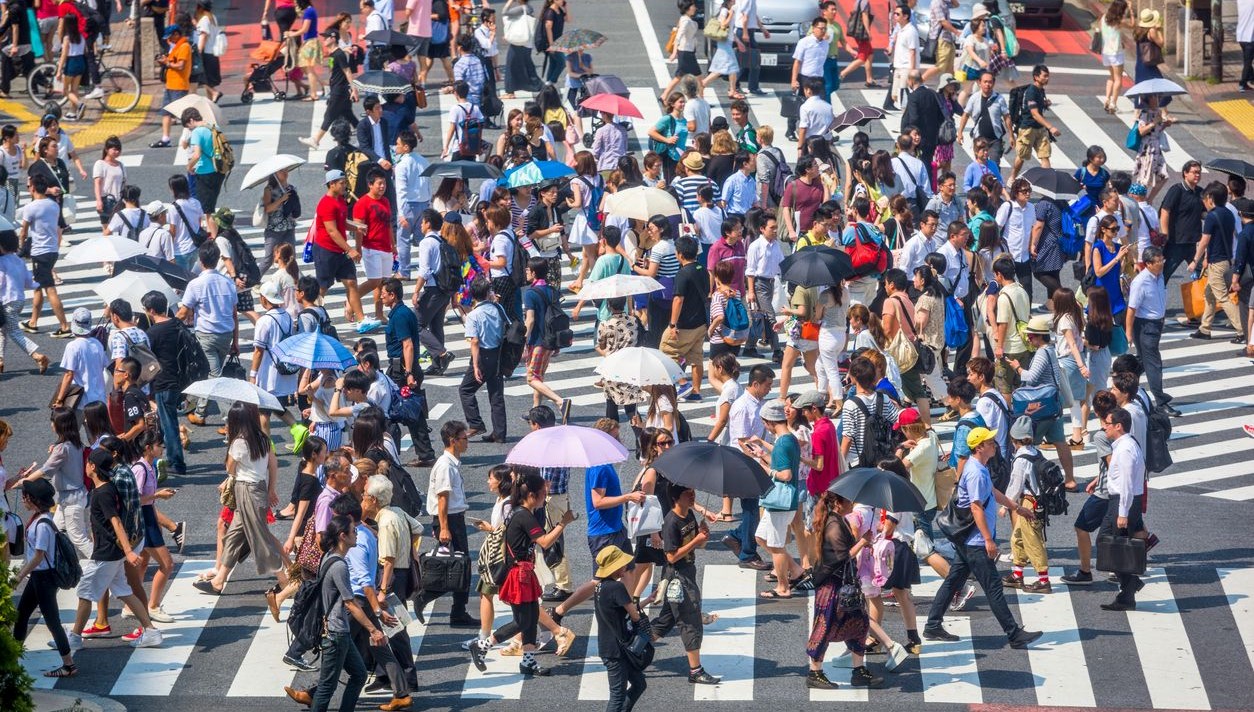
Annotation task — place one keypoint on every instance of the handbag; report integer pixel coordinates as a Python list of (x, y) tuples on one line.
[(1121, 554), (73, 394), (445, 571), (1095, 39), (1133, 140), (14, 532), (781, 497), (1046, 396), (849, 596), (1149, 53), (520, 29), (715, 30), (925, 358), (232, 368), (644, 519), (309, 553), (670, 41), (1118, 341), (809, 331), (928, 53), (948, 131), (227, 495)]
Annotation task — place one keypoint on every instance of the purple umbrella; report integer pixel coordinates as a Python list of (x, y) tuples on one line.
[(567, 446)]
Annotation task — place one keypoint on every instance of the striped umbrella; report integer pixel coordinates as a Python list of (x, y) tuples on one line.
[(314, 350)]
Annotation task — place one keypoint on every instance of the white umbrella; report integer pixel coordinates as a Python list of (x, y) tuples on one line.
[(103, 249), (640, 366), (1165, 87), (268, 167), (209, 111), (230, 390), (619, 285), (641, 203), (132, 286)]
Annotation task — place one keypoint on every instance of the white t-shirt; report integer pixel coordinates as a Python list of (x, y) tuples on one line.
[(120, 341), (698, 110), (1062, 347), (664, 405), (709, 224), (273, 327), (994, 417), (1016, 225), (731, 391), (502, 246), (40, 217), (127, 218), (113, 177), (906, 47), (815, 116), (456, 115), (246, 468), (446, 476), (42, 537), (750, 9), (87, 359), (191, 208)]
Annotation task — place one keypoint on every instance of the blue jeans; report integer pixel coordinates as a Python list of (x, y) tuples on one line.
[(973, 561), (749, 516), (168, 415), (627, 684), (831, 76), (187, 261), (339, 653), (406, 238)]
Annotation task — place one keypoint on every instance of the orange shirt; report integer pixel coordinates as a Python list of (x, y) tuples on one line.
[(179, 79)]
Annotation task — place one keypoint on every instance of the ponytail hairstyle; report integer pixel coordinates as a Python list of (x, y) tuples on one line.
[(931, 284), (287, 255), (149, 438), (527, 482), (340, 525), (877, 330)]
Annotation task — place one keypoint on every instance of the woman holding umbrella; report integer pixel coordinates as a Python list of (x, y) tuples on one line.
[(1151, 122)]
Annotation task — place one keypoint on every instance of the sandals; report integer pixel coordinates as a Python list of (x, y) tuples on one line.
[(773, 594), (1075, 444), (63, 671), (726, 517)]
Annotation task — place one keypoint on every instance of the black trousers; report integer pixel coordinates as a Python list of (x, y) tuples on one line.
[(1247, 63), (393, 662), (1129, 584), (1023, 275), (459, 542), (432, 307), (1176, 255), (489, 367), (627, 684), (206, 187), (659, 317), (41, 593), (419, 430), (1146, 333), (11, 67), (1050, 281), (973, 561)]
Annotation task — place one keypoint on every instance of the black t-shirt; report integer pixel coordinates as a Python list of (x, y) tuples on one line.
[(164, 338), (1033, 98), (520, 535), (611, 614), (16, 16), (307, 490), (1184, 225), (1222, 227), (693, 284), (134, 405), (540, 217), (1097, 338), (676, 532), (105, 504), (338, 83), (559, 26)]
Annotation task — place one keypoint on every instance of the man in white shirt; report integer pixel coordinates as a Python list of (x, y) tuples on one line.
[(157, 238), (413, 195), (762, 260), (808, 59), (39, 227), (209, 304), (1126, 481), (462, 113), (815, 115), (430, 302), (744, 427), (446, 503), (905, 53), (747, 26), (84, 362), (923, 242), (1015, 219)]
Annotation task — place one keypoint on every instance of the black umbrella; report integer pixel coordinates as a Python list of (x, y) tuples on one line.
[(1233, 167), (466, 170), (857, 116), (879, 488), (175, 276), (391, 37), (716, 469), (816, 266), (383, 83), (1052, 182)]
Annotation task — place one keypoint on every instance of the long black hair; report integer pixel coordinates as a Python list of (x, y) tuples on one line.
[(339, 525), (527, 481), (65, 425), (242, 423), (931, 284), (313, 445)]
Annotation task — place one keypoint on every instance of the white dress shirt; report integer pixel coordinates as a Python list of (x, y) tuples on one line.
[(762, 258), (812, 53), (1126, 476), (815, 116), (411, 185), (1016, 225), (955, 265)]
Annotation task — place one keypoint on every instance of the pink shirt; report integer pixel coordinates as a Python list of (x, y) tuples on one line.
[(823, 442), (419, 18), (720, 251)]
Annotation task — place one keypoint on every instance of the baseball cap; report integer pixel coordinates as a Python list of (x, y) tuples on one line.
[(1022, 429), (979, 436), (333, 175), (541, 415), (80, 322), (774, 412), (1244, 206), (810, 399), (155, 208), (272, 292), (169, 30), (909, 416)]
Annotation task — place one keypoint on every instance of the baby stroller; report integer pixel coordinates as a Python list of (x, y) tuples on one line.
[(592, 85), (271, 56)]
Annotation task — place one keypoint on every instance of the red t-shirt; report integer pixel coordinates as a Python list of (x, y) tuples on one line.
[(67, 8), (377, 215), (823, 442), (329, 209)]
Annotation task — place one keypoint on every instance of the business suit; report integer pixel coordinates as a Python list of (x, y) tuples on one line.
[(923, 111)]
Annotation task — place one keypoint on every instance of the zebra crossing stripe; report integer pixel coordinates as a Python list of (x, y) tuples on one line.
[(1184, 479), (502, 680), (594, 683), (731, 592), (645, 100), (1238, 585), (260, 673), (948, 668), (837, 657), (318, 155), (38, 657), (1236, 494), (766, 113), (153, 672), (1163, 647), (265, 126), (1078, 123), (1058, 664)]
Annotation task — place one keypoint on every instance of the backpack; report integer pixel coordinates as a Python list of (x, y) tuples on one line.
[(779, 179), (877, 433), (405, 493), (92, 20), (471, 141), (557, 334), (868, 257), (592, 208), (66, 571), (491, 562), (307, 619), (284, 368), (1157, 436), (518, 262), (513, 343), (192, 365), (1052, 495), (735, 315), (246, 266), (1071, 241), (999, 467), (957, 333), (357, 167), (149, 365), (448, 278), (132, 231), (325, 327), (223, 154), (1017, 104)]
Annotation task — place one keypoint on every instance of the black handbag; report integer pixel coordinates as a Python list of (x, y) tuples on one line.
[(1121, 554), (232, 368), (445, 571), (956, 522), (637, 649), (790, 105), (849, 596)]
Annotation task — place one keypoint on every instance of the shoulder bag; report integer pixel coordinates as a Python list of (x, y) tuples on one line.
[(900, 348), (637, 649)]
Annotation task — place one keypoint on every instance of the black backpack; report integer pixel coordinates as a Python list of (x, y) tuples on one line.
[(325, 327), (557, 334), (877, 433), (513, 343), (245, 264), (132, 231), (999, 467), (518, 265), (405, 493), (1052, 497), (1158, 437), (1017, 102), (307, 619), (449, 276), (66, 571), (192, 365)]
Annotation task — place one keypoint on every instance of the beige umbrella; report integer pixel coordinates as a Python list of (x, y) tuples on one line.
[(209, 111), (641, 203)]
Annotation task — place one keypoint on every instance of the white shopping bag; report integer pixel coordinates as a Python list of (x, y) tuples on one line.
[(644, 519)]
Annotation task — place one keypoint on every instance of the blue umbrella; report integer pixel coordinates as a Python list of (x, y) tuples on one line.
[(536, 172), (314, 350)]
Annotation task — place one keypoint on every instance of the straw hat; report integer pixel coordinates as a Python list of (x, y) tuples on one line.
[(1149, 18)]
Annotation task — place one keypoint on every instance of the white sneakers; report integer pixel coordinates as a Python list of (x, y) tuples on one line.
[(308, 142), (896, 656), (159, 615), (150, 638), (96, 93), (76, 641)]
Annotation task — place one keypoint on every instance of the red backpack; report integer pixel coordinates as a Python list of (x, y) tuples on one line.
[(867, 255)]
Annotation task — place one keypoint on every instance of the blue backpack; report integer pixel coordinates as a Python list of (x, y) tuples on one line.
[(592, 210), (956, 332), (735, 321), (1071, 241)]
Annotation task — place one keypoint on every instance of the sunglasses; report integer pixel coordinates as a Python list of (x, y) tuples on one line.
[(665, 443)]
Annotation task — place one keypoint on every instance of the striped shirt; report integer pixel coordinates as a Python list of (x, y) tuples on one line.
[(686, 191)]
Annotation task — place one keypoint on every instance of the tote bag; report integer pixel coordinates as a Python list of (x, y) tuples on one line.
[(644, 519)]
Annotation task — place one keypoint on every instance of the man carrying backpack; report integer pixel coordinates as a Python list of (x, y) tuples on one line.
[(537, 300), (866, 419), (401, 341), (1034, 132), (202, 170), (1027, 541), (435, 287), (464, 137)]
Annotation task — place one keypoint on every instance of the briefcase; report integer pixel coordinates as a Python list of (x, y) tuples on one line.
[(1121, 554), (445, 571), (789, 105)]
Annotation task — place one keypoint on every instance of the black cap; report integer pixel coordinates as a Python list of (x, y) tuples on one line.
[(541, 415), (41, 492)]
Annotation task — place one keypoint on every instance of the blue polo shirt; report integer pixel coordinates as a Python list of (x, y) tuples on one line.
[(976, 485), (603, 521), (402, 324)]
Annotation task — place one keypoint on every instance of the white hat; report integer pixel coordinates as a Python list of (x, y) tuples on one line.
[(155, 208), (80, 322), (979, 11), (272, 292)]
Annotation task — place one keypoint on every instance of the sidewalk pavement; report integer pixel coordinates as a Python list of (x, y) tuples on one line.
[(56, 701)]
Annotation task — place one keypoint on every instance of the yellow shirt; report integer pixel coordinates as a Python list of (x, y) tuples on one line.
[(179, 79)]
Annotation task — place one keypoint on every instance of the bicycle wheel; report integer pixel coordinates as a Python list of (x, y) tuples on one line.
[(121, 90), (41, 86)]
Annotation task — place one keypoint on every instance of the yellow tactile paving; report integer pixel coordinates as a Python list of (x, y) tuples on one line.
[(1238, 112), (85, 134)]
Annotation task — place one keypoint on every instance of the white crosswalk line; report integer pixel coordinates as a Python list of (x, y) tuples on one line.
[(131, 160), (645, 99), (1238, 586), (594, 683), (1073, 120), (152, 672), (1165, 653), (38, 657), (1236, 494), (731, 592), (261, 137), (502, 680), (837, 657), (265, 652), (949, 670), (318, 155), (1059, 668)]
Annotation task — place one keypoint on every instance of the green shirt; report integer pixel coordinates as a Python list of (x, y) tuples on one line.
[(747, 137)]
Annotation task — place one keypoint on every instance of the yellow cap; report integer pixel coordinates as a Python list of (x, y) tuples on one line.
[(979, 436)]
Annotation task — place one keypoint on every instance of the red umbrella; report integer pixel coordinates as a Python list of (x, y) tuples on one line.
[(613, 104)]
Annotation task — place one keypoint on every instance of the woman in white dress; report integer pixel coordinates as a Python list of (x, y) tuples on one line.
[(582, 189), (724, 63)]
